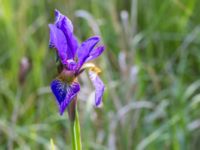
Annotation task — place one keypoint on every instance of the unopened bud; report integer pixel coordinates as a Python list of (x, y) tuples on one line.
[(23, 70)]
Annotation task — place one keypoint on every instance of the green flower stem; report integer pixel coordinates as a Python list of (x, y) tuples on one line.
[(75, 131)]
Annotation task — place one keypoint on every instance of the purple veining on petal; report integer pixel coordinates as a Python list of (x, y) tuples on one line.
[(84, 50), (64, 93), (99, 87)]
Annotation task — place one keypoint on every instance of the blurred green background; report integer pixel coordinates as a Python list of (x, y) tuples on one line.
[(151, 69)]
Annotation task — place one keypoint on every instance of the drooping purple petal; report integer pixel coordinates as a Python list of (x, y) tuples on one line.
[(95, 53), (64, 93), (58, 41), (84, 50), (64, 24), (99, 87)]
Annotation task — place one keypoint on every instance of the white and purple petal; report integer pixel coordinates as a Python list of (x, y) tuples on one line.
[(99, 87), (64, 93), (84, 50), (71, 64), (65, 24)]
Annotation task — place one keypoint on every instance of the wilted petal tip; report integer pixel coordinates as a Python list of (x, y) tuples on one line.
[(56, 12)]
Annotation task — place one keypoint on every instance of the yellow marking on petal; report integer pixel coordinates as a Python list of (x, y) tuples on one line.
[(88, 65), (96, 70), (92, 67)]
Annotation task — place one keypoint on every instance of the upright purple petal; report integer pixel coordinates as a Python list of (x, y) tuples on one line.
[(64, 93), (64, 24), (99, 87), (58, 41), (95, 53), (59, 18), (84, 50)]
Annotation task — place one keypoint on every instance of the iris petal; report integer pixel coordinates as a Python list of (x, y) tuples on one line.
[(59, 18), (99, 87), (58, 40), (95, 53), (84, 50), (64, 93), (63, 23), (71, 64)]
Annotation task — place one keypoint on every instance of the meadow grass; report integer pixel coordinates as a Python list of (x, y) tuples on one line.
[(150, 69)]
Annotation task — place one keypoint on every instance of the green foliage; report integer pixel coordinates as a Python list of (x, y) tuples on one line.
[(150, 68)]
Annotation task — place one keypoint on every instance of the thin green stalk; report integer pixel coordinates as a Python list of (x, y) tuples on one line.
[(75, 131)]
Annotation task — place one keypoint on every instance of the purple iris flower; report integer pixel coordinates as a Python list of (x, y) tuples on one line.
[(73, 60)]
